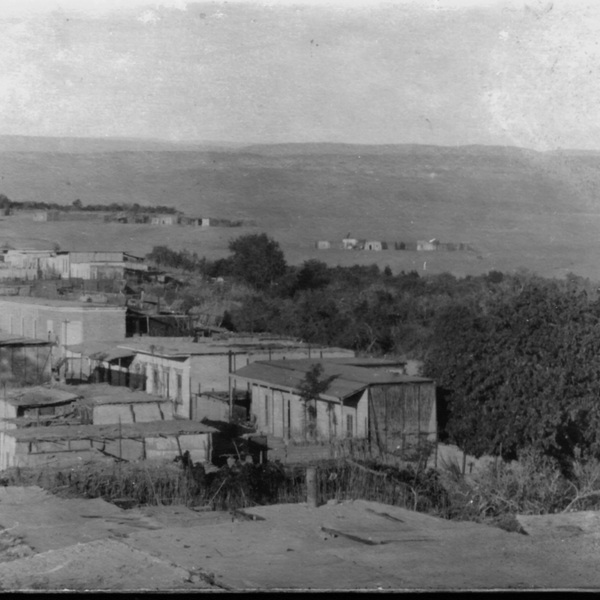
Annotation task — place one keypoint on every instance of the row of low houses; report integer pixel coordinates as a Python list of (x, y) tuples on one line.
[(34, 264), (378, 246), (135, 217), (81, 348)]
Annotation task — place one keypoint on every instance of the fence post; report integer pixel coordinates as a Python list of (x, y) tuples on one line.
[(311, 487)]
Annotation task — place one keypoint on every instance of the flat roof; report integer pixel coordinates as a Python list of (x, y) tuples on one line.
[(367, 361), (103, 393), (90, 347), (55, 303), (181, 348), (40, 396), (8, 339), (109, 432), (345, 380)]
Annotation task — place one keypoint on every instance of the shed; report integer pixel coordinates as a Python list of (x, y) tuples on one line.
[(103, 404), (64, 444), (423, 245), (323, 245), (390, 409), (164, 220), (374, 245), (35, 403)]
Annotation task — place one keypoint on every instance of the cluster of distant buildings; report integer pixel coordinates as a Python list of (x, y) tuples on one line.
[(350, 243), (31, 264), (134, 217)]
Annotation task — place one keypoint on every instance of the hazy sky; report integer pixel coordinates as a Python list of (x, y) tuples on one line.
[(406, 71)]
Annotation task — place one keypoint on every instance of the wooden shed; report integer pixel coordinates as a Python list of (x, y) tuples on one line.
[(394, 411)]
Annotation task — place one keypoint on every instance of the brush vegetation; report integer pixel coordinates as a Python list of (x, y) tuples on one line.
[(534, 484)]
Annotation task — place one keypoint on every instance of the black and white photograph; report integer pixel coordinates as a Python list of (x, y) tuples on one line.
[(299, 296)]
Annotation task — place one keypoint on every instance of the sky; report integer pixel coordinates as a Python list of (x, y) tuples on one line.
[(448, 72)]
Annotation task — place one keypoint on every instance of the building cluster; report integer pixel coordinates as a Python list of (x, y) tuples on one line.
[(86, 378), (135, 217), (350, 243), (30, 264)]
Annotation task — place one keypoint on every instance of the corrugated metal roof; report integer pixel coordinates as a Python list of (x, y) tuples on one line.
[(126, 431)]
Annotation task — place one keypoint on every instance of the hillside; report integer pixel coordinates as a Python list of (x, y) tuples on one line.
[(519, 208)]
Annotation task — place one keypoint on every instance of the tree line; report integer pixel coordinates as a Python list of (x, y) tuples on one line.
[(7, 203)]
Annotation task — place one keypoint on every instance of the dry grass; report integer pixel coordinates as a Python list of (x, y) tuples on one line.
[(532, 485)]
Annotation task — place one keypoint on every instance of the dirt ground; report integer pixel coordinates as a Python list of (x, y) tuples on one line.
[(50, 543)]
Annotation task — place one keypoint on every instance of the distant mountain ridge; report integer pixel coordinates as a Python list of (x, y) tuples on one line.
[(76, 145)]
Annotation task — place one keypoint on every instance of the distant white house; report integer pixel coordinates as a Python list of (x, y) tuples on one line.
[(349, 243), (164, 220), (374, 245), (323, 245), (423, 245)]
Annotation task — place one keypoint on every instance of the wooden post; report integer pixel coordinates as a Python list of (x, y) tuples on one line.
[(230, 388), (311, 487), (120, 438)]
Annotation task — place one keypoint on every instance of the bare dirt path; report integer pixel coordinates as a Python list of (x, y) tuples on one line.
[(52, 543)]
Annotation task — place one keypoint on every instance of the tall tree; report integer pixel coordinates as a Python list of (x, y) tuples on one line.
[(257, 259)]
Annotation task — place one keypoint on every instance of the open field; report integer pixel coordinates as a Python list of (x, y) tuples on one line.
[(518, 208)]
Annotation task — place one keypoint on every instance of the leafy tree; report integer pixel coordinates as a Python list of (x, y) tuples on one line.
[(524, 372), (258, 260), (314, 274), (310, 389)]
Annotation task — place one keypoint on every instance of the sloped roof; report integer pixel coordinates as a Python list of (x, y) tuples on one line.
[(112, 354), (8, 339), (40, 396), (345, 380), (103, 393)]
